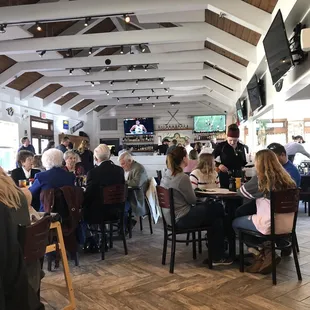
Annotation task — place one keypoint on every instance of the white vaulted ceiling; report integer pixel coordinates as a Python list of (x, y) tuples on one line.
[(195, 51)]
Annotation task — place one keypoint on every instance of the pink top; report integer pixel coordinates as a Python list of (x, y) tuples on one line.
[(192, 163)]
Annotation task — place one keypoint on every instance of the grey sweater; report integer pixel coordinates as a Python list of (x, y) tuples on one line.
[(183, 196)]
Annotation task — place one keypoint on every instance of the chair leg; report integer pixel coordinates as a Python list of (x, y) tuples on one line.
[(150, 223), (187, 239), (172, 258), (49, 262), (76, 258), (111, 236), (274, 265), (199, 242), (294, 248), (141, 224), (103, 241), (163, 261), (194, 245), (210, 260), (129, 224), (296, 241), (122, 230), (305, 203), (241, 252), (308, 208)]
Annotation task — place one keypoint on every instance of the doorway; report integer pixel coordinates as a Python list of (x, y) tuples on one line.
[(111, 142)]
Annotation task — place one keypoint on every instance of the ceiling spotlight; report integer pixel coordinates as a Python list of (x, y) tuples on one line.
[(153, 91), (69, 53), (172, 104), (127, 18), (71, 71), (122, 50), (117, 99), (130, 69), (153, 105), (137, 82), (161, 81), (166, 90), (157, 97), (108, 94), (139, 98), (42, 53), (87, 20), (2, 28), (131, 51), (127, 105), (145, 68), (90, 51), (142, 48), (147, 98), (112, 83), (133, 91), (88, 71), (39, 28), (169, 97), (92, 84)]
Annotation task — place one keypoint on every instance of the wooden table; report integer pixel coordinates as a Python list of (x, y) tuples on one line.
[(232, 202), (61, 247)]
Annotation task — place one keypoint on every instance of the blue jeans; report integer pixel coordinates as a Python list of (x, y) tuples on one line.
[(244, 222)]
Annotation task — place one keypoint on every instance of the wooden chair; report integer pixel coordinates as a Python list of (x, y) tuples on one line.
[(305, 192), (165, 197), (280, 203), (114, 199)]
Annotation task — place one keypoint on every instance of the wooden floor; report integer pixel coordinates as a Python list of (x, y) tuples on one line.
[(139, 281)]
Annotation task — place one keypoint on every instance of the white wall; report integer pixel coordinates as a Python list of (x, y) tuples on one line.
[(161, 116)]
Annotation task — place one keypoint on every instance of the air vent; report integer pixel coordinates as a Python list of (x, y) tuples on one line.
[(108, 124)]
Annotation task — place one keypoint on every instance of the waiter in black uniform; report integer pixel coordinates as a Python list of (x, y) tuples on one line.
[(232, 155)]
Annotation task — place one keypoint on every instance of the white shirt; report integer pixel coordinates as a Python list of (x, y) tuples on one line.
[(27, 173), (188, 148)]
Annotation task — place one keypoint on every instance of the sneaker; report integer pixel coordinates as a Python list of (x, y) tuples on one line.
[(222, 262)]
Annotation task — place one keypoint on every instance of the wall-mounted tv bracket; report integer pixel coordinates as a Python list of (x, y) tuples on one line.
[(299, 56)]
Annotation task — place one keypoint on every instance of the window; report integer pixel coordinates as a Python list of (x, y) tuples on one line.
[(39, 125)]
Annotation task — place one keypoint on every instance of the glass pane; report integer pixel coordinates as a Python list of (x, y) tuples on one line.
[(44, 143), (39, 125), (35, 144)]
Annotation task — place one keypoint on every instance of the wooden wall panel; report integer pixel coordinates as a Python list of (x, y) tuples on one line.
[(16, 2), (6, 63), (100, 107), (266, 5), (83, 104), (65, 98), (24, 80), (47, 90)]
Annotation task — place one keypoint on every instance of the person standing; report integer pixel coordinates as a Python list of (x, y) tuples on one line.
[(64, 144), (26, 146), (294, 147), (50, 145), (87, 156), (188, 146), (164, 146), (232, 156), (172, 146)]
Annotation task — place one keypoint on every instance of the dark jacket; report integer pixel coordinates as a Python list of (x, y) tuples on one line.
[(62, 148), (104, 175), (15, 290), (29, 148), (170, 149), (87, 160), (19, 174), (53, 178)]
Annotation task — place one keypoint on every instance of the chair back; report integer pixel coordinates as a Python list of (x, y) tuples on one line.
[(159, 175), (165, 200), (34, 239), (305, 183), (284, 202)]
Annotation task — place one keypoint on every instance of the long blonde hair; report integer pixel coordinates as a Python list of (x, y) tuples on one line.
[(206, 165), (9, 192), (271, 174), (83, 146)]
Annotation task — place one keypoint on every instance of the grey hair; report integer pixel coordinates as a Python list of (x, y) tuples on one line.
[(125, 156), (69, 153), (102, 152), (52, 158)]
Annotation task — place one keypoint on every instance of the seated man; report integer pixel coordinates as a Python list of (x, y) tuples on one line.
[(105, 174), (137, 177), (280, 151)]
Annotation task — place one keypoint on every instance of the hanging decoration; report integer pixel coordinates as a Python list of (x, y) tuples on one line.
[(10, 111)]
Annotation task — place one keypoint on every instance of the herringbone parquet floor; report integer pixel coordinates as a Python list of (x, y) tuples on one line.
[(138, 281)]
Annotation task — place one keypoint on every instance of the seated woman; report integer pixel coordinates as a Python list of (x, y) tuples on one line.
[(15, 200), (192, 163), (25, 170), (37, 163), (73, 163), (205, 176), (54, 176), (256, 217), (187, 213)]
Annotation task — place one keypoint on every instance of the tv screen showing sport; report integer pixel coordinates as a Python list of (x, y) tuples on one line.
[(138, 126), (210, 123)]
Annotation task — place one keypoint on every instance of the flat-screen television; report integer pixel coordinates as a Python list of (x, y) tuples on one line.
[(277, 49), (210, 123), (138, 126), (255, 94), (242, 111)]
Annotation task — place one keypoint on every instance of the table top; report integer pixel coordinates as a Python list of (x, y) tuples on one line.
[(222, 193)]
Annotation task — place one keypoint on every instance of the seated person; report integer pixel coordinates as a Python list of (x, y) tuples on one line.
[(192, 163), (270, 175), (280, 151), (137, 177), (71, 163), (37, 163), (25, 170), (205, 176), (105, 174), (187, 213), (53, 177)]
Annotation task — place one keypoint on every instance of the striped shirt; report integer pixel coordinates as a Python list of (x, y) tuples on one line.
[(200, 180)]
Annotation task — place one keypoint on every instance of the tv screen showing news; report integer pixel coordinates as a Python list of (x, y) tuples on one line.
[(210, 123), (138, 126)]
